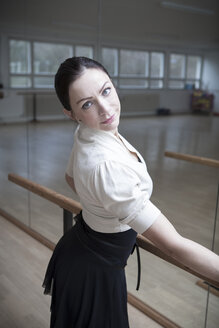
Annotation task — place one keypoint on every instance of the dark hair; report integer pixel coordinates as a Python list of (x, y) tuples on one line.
[(68, 72)]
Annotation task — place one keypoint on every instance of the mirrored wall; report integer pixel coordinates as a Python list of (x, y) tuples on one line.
[(37, 144)]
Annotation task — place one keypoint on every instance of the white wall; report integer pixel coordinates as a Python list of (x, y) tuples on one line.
[(19, 108), (122, 21), (12, 107)]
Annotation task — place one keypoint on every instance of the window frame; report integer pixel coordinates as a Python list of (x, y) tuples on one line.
[(33, 75), (185, 80), (117, 77), (148, 78)]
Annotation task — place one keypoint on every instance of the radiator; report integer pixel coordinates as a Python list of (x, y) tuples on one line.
[(138, 104)]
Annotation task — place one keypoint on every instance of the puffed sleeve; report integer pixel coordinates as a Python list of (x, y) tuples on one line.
[(119, 190)]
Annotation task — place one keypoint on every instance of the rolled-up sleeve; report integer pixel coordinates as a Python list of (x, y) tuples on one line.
[(121, 193)]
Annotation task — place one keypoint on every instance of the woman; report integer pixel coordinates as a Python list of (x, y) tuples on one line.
[(86, 272)]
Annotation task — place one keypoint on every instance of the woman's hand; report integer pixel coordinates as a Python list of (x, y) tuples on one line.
[(189, 253)]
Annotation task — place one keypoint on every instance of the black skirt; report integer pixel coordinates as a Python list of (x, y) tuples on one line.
[(86, 278)]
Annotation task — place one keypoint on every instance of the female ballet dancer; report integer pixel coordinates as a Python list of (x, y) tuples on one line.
[(86, 272)]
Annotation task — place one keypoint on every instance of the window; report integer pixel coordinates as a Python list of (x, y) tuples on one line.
[(20, 82), (156, 70), (20, 57), (193, 67), (84, 51), (46, 60), (34, 64), (20, 64), (184, 71), (133, 63), (133, 83), (156, 84), (177, 66), (110, 60), (174, 84), (48, 56), (193, 72), (132, 69)]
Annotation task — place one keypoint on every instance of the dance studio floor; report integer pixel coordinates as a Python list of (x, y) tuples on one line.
[(185, 193)]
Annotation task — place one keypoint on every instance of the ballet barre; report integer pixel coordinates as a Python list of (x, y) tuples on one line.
[(193, 159), (71, 207)]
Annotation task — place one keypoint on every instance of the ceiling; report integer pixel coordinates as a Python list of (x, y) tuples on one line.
[(116, 21)]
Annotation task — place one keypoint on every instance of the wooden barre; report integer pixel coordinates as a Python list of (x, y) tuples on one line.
[(75, 207), (47, 193), (192, 158)]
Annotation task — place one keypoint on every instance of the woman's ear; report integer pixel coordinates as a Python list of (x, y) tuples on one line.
[(69, 114)]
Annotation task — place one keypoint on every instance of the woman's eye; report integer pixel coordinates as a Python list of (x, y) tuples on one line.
[(106, 91), (87, 105)]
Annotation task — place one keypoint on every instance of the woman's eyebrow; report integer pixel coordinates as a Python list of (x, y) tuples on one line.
[(82, 99), (103, 86)]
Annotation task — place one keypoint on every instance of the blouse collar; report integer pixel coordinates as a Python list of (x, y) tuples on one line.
[(87, 134), (91, 134)]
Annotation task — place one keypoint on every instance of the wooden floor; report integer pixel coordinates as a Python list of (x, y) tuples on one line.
[(185, 192), (22, 266)]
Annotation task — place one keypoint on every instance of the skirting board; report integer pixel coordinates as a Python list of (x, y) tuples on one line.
[(43, 240), (151, 313)]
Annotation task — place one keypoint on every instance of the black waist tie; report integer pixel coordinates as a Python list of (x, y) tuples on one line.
[(139, 264), (115, 263), (94, 238), (138, 258)]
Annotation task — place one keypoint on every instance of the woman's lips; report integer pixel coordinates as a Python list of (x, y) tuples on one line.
[(109, 120)]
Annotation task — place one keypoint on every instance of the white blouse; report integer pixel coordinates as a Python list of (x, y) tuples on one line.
[(114, 189)]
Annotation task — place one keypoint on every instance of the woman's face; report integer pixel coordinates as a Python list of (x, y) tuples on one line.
[(94, 100)]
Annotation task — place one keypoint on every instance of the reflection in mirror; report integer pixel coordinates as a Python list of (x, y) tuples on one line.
[(36, 139)]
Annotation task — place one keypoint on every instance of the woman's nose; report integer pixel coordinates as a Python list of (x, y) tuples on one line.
[(103, 107)]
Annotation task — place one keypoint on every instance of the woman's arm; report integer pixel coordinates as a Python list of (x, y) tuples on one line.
[(70, 182), (191, 254)]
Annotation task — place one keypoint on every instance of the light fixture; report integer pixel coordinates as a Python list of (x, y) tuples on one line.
[(191, 9)]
